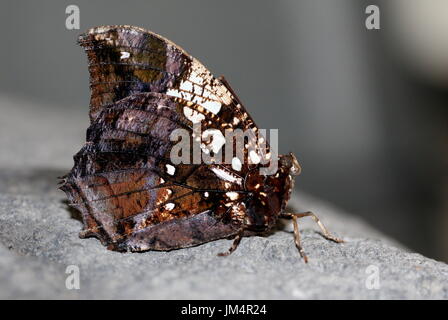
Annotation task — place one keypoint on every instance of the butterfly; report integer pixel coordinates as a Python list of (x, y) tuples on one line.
[(131, 193)]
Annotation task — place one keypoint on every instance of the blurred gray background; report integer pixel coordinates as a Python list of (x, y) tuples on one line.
[(364, 110)]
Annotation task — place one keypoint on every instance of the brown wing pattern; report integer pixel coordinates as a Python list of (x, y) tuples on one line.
[(124, 60), (129, 193), (123, 181)]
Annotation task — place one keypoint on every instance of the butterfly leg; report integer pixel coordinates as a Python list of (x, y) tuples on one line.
[(235, 244), (325, 232), (297, 238)]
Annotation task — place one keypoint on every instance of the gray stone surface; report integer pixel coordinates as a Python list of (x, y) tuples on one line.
[(39, 239)]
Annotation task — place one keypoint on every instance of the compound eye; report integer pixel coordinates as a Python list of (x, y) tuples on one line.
[(295, 168)]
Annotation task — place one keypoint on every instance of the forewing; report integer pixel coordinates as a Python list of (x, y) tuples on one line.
[(124, 60), (143, 87)]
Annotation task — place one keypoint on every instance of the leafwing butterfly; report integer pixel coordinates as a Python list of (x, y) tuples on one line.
[(131, 193)]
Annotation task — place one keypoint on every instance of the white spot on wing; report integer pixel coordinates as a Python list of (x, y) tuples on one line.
[(186, 86), (232, 195), (124, 55), (223, 174), (212, 106), (169, 206), (193, 115), (236, 164), (170, 169), (174, 93), (254, 157)]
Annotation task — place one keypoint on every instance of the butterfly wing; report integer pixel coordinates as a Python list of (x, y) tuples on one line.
[(124, 60), (130, 194)]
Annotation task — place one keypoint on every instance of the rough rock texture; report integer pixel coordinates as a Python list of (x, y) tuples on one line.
[(39, 239)]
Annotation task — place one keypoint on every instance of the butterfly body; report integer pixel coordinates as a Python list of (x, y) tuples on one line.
[(131, 193)]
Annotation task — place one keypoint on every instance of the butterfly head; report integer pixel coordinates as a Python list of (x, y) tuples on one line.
[(289, 163), (289, 167)]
